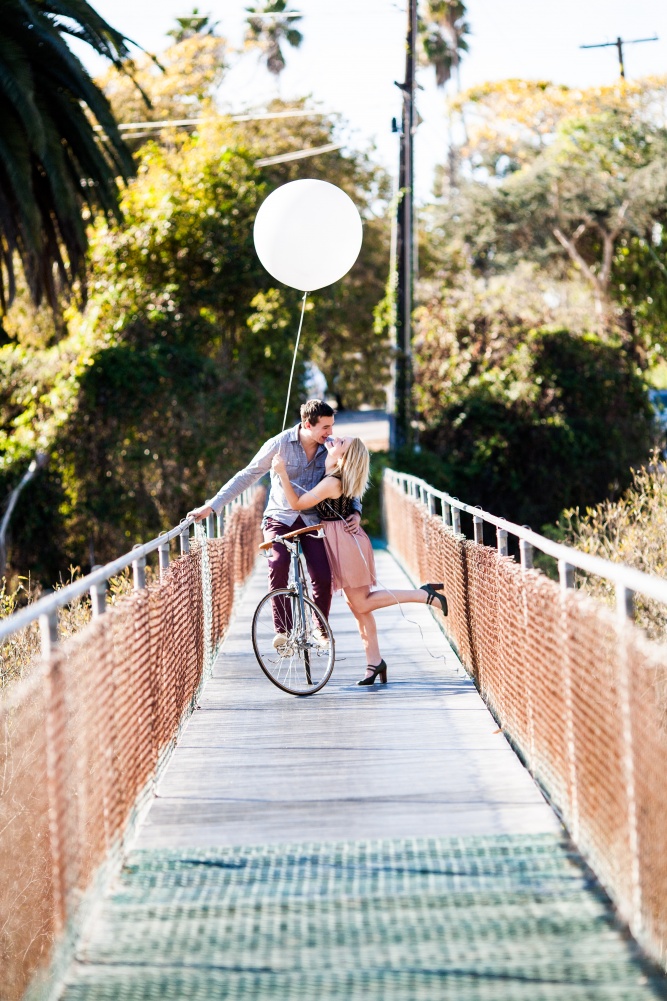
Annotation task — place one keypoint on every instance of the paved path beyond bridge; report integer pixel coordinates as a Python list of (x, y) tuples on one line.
[(378, 843)]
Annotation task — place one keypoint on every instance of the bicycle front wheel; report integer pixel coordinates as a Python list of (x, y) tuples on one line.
[(292, 642)]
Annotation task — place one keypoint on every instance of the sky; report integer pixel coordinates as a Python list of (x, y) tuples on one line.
[(353, 50)]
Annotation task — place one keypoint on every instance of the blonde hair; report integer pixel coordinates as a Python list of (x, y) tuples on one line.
[(354, 467)]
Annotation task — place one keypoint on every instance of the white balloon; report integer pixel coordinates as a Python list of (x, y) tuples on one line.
[(308, 234)]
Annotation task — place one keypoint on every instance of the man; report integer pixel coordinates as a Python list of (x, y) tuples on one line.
[(304, 452)]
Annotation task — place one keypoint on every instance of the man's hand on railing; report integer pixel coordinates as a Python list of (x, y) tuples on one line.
[(199, 513)]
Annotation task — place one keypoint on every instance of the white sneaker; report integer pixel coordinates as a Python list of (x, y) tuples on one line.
[(321, 639), (280, 639)]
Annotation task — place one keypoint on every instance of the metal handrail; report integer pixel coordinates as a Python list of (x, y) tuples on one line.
[(627, 579), (95, 582)]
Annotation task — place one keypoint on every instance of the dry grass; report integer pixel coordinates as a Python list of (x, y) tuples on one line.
[(632, 530), (20, 652)]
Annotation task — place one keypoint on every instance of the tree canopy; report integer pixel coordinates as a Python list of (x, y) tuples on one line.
[(573, 180), (543, 305), (177, 368)]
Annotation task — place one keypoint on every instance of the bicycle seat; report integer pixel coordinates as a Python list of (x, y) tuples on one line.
[(289, 535)]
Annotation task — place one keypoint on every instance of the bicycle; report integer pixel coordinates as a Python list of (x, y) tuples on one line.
[(302, 663)]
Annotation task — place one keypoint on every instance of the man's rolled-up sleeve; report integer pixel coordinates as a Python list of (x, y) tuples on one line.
[(356, 505), (255, 469)]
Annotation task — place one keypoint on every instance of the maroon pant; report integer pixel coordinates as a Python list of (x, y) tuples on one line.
[(316, 561)]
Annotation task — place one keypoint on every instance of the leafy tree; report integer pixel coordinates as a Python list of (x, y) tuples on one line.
[(510, 122), (556, 230), (178, 367), (353, 355), (54, 168), (600, 180), (180, 86), (524, 421), (270, 33)]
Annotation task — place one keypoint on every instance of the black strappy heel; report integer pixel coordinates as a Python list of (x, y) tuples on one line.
[(432, 592), (381, 669)]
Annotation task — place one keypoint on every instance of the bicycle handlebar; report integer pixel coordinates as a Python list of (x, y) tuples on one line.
[(289, 535)]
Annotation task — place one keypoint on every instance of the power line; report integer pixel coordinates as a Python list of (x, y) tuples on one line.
[(619, 43), (277, 14), (298, 154), (191, 122)]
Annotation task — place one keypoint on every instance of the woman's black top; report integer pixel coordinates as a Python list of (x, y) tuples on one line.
[(335, 508)]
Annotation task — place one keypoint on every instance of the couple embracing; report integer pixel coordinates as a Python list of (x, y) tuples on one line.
[(318, 478)]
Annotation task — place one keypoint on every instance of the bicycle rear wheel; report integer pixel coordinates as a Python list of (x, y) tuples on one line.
[(302, 664)]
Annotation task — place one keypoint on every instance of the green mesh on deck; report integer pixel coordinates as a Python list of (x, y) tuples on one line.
[(489, 919)]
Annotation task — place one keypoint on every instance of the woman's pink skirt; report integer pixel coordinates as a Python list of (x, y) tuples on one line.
[(350, 556)]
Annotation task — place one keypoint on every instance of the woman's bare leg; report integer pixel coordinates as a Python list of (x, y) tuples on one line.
[(363, 602), (369, 637)]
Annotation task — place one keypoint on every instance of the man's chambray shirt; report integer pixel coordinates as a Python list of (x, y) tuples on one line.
[(303, 476)]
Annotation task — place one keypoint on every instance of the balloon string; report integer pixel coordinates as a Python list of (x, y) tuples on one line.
[(296, 348)]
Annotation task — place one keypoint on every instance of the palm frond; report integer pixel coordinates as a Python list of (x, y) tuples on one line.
[(52, 161)]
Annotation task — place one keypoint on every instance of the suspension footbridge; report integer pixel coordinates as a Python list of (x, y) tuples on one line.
[(177, 827)]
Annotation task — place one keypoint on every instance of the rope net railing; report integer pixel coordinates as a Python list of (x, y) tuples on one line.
[(82, 739), (579, 691)]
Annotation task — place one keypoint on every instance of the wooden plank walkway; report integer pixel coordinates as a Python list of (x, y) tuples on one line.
[(417, 757)]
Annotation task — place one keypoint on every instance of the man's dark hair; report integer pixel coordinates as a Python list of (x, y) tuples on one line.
[(313, 410)]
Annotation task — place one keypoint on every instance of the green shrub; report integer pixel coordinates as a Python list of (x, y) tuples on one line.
[(558, 422), (630, 530)]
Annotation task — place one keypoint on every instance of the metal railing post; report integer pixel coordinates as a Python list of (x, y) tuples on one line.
[(163, 556), (456, 519), (625, 613), (526, 550), (625, 603), (221, 523), (210, 525), (48, 628), (447, 514), (139, 571), (566, 574), (478, 528), (502, 542), (98, 597), (184, 539)]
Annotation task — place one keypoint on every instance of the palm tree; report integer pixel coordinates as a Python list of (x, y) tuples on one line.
[(193, 24), (57, 166), (443, 30), (269, 27)]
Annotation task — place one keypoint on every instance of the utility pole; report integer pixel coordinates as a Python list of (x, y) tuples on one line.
[(402, 420), (619, 43)]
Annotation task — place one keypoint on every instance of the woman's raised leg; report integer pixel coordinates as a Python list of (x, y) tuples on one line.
[(365, 600)]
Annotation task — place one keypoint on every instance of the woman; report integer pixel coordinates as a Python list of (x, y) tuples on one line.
[(351, 555)]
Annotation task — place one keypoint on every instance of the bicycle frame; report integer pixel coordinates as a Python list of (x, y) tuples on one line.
[(307, 648), (295, 558)]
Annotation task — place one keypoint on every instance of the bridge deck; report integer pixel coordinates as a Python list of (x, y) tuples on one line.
[(418, 756), (378, 844)]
